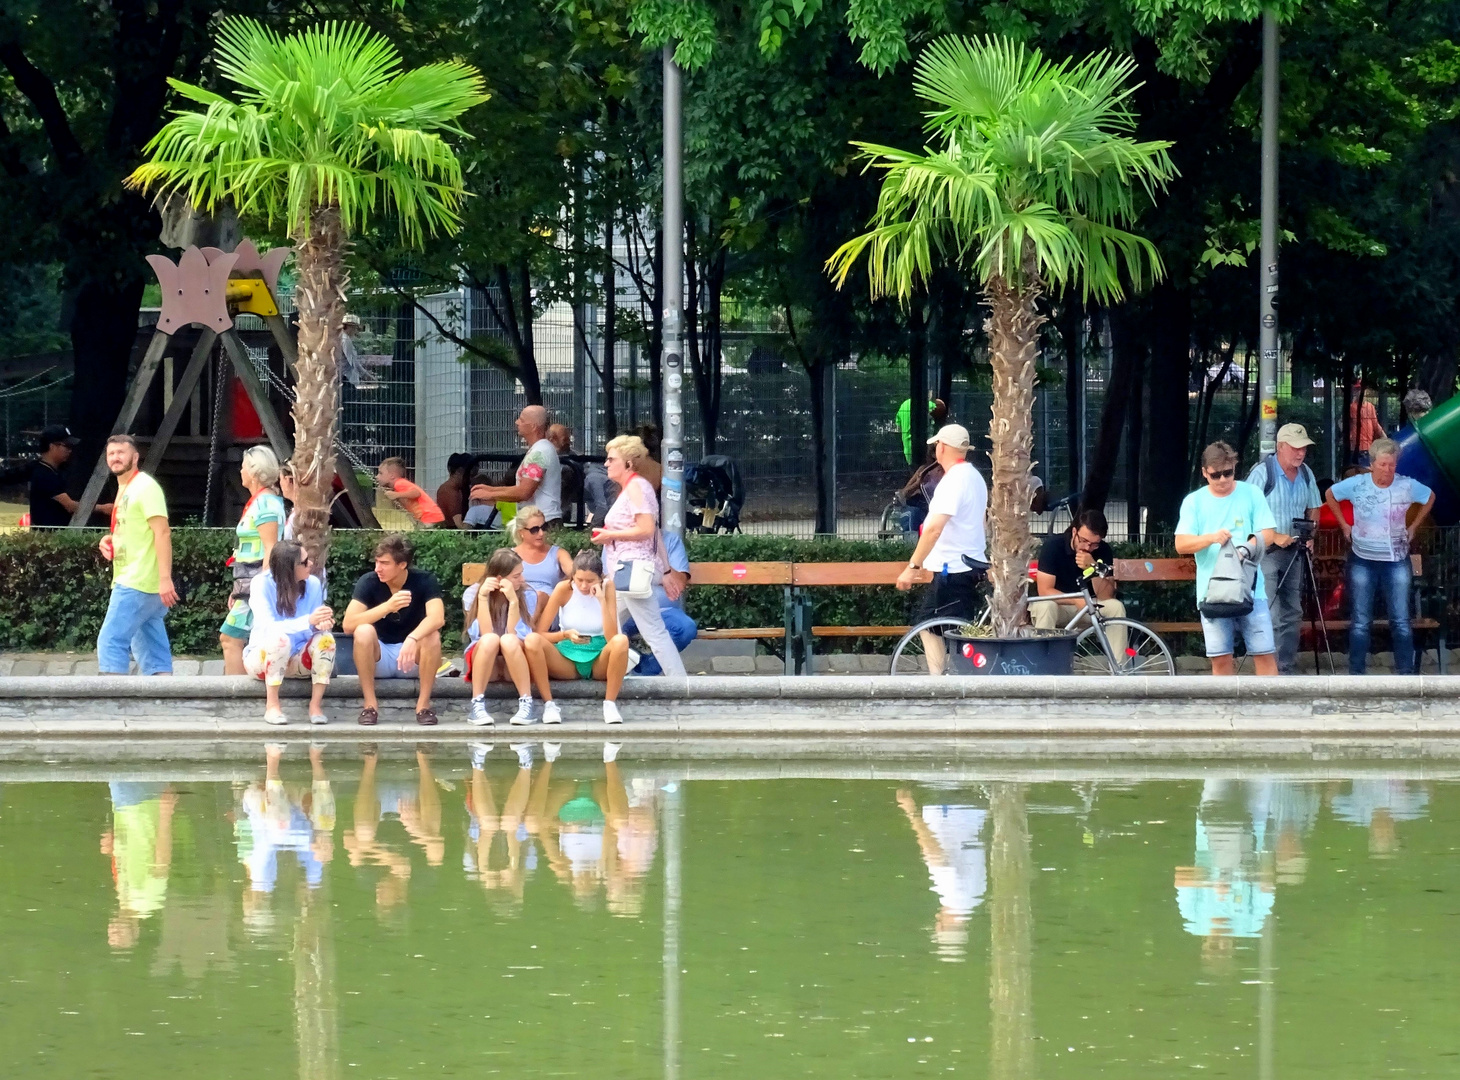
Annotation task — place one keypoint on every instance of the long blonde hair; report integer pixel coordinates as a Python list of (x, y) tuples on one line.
[(500, 565)]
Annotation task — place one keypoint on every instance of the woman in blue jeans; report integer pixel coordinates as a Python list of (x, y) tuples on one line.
[(1379, 560)]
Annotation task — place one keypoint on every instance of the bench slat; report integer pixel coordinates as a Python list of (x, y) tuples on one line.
[(851, 573), (859, 631), (740, 573), (1182, 569), (742, 633)]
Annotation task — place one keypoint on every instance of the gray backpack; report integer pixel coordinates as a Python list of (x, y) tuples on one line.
[(1234, 580)]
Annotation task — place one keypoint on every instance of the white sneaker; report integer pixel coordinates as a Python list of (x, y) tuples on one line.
[(524, 754), (479, 752), (610, 752), (523, 715), (551, 714), (275, 717), (551, 750), (611, 715), (634, 657), (477, 714)]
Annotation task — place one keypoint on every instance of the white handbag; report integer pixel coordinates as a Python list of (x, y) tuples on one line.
[(635, 579)]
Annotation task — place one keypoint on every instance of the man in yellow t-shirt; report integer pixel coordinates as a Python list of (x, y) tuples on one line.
[(139, 548)]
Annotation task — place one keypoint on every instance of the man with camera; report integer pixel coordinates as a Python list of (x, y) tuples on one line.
[(1292, 495), (1066, 561)]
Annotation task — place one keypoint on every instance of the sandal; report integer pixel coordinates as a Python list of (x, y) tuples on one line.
[(369, 717)]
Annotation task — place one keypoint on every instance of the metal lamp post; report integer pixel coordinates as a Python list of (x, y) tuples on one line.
[(672, 445), (1267, 335)]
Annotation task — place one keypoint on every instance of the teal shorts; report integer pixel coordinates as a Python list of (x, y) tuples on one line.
[(584, 655)]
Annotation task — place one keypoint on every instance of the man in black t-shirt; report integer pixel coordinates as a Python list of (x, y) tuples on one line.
[(395, 616), (51, 506), (1064, 561)]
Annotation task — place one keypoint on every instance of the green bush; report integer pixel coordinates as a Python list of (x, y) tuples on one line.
[(57, 584)]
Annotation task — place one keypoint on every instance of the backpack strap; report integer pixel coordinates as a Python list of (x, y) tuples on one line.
[(1270, 481)]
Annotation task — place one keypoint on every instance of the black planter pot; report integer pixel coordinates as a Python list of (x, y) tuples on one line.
[(1053, 654)]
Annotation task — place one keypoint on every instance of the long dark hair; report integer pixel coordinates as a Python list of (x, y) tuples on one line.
[(500, 565), (289, 590)]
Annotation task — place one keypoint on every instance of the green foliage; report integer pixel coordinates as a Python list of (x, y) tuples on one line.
[(325, 117), (30, 319), (1034, 172)]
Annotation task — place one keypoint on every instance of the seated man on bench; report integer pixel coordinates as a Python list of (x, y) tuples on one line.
[(1063, 562), (396, 615)]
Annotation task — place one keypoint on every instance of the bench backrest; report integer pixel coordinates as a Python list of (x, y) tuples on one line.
[(1184, 569)]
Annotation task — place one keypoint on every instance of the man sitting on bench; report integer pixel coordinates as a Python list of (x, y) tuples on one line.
[(396, 616), (1063, 562)]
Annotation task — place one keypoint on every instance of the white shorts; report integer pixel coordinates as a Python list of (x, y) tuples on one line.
[(387, 666)]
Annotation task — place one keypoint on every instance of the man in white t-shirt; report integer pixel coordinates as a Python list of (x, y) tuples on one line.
[(953, 545), (539, 477)]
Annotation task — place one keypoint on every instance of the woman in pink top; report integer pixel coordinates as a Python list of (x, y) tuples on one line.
[(631, 532)]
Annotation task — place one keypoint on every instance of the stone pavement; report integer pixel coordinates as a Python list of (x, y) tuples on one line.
[(1402, 709)]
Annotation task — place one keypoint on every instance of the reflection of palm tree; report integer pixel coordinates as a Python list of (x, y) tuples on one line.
[(316, 1002), (1011, 922)]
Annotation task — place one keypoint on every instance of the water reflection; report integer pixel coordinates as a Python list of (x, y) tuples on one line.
[(139, 843), (801, 910), (950, 839)]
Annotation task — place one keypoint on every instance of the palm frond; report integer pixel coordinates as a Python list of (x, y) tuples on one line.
[(1027, 156), (324, 116)]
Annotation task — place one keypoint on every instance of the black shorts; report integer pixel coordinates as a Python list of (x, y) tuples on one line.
[(951, 596)]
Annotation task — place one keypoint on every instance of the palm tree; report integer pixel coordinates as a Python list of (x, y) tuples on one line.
[(327, 135), (1029, 183)]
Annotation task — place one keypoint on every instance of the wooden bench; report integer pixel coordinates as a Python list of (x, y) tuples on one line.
[(1159, 571), (796, 632)]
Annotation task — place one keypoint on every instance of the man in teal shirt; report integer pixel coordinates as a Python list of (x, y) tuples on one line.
[(1210, 516)]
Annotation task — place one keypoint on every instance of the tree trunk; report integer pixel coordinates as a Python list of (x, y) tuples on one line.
[(610, 336), (917, 370), (1101, 470), (1011, 938), (1169, 387), (815, 374), (1437, 376), (320, 299), (1135, 429), (103, 335), (1013, 335), (1072, 335)]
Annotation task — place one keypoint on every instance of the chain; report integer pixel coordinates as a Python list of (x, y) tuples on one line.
[(219, 382), (278, 383)]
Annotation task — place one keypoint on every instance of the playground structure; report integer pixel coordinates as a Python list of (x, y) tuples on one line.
[(206, 290), (1429, 451)]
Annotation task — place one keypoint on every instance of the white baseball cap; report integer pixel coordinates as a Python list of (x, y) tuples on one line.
[(954, 435)]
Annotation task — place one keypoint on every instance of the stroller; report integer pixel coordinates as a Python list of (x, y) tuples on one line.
[(715, 490)]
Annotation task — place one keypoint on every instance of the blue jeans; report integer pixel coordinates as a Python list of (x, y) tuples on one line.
[(1392, 579), (681, 628), (133, 627)]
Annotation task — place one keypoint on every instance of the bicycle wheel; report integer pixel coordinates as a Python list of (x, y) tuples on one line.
[(1145, 653), (910, 657)]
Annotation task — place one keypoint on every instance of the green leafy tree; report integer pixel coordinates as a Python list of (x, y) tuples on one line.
[(327, 135), (1029, 184)]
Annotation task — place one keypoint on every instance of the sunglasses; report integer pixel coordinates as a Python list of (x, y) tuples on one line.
[(1221, 474), (535, 529)]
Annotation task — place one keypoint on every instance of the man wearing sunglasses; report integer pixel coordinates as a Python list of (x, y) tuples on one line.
[(1210, 516)]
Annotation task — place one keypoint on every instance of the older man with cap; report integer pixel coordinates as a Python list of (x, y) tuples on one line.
[(539, 477), (953, 544), (1291, 493)]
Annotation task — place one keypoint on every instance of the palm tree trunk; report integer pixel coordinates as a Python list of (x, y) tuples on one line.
[(1011, 938), (320, 300), (1013, 333)]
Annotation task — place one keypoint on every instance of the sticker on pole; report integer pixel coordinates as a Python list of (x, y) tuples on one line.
[(738, 571)]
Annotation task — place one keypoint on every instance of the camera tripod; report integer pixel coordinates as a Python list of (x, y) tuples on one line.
[(1308, 585)]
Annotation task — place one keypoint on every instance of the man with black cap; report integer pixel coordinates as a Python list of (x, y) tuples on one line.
[(50, 505)]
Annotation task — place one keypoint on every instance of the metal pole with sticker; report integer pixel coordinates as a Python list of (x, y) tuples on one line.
[(671, 492)]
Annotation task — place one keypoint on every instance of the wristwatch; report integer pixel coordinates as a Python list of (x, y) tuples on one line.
[(913, 565)]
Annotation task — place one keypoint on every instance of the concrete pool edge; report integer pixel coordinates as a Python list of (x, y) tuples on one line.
[(898, 707)]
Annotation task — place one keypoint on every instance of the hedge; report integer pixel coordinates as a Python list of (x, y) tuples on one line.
[(56, 583)]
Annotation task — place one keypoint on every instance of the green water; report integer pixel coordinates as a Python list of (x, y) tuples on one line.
[(419, 917)]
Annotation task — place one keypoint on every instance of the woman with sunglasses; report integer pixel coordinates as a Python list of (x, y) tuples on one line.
[(290, 636), (543, 564)]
